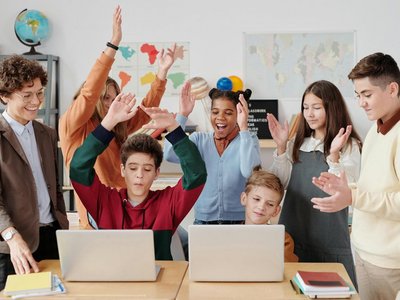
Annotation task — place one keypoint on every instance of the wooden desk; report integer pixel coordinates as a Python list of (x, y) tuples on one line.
[(252, 290), (166, 287)]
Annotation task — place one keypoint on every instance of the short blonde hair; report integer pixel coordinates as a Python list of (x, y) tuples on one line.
[(265, 179)]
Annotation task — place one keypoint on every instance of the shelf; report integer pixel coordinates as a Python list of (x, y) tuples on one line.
[(267, 144)]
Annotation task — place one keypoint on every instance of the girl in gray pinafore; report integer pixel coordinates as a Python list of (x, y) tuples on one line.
[(324, 141)]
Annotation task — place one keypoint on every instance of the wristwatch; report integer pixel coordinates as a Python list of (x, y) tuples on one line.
[(9, 234)]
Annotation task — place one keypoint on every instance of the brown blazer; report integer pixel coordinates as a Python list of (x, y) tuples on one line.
[(18, 200)]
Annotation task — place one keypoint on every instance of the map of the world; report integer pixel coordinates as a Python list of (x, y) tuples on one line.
[(135, 67), (281, 65)]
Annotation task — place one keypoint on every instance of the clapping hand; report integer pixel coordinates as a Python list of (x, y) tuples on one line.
[(242, 113), (338, 142), (337, 187), (279, 133)]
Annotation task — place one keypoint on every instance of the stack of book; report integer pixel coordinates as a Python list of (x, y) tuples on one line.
[(33, 284), (322, 285)]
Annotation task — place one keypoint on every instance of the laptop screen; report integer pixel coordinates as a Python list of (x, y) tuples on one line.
[(106, 255), (236, 252)]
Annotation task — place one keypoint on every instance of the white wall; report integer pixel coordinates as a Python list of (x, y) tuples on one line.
[(80, 29)]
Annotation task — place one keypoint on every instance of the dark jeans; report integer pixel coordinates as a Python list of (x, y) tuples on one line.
[(47, 250)]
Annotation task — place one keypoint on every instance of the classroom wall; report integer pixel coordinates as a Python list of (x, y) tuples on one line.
[(81, 28)]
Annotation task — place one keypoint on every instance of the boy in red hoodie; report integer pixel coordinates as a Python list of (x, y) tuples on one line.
[(137, 207)]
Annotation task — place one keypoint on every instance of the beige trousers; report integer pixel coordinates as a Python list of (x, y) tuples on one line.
[(376, 283)]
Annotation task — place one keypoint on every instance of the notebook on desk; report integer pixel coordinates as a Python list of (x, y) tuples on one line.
[(236, 252), (107, 255)]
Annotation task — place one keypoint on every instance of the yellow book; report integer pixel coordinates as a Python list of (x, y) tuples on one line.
[(28, 283)]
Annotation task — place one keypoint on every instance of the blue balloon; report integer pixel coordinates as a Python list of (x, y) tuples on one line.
[(224, 84)]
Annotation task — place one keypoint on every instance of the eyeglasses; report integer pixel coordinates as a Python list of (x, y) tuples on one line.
[(28, 96)]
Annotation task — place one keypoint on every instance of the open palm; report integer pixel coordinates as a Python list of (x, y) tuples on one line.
[(279, 133), (340, 139)]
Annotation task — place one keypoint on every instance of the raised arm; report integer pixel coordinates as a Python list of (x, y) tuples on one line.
[(165, 61), (72, 129), (281, 164), (279, 133), (153, 98), (249, 144), (188, 189), (193, 167), (186, 105), (82, 164)]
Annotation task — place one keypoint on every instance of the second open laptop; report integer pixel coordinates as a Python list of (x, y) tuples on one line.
[(236, 252), (107, 255)]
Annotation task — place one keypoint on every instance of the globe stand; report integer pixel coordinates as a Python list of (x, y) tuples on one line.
[(32, 51)]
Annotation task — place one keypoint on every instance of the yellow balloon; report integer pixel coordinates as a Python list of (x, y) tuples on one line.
[(237, 83)]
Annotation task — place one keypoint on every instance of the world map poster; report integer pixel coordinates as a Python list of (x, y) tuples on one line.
[(136, 66), (282, 65)]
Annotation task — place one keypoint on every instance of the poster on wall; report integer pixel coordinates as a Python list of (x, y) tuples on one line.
[(136, 66), (257, 121), (282, 65)]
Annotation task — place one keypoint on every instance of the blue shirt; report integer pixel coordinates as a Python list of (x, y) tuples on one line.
[(227, 174)]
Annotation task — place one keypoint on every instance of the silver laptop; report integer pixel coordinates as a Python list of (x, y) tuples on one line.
[(107, 255), (236, 252)]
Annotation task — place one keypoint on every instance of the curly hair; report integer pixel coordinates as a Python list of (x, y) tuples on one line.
[(142, 143), (17, 71), (229, 95)]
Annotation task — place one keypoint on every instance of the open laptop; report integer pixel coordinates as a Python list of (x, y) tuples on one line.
[(107, 255), (236, 252)]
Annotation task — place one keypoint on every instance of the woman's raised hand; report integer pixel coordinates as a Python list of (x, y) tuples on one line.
[(279, 133)]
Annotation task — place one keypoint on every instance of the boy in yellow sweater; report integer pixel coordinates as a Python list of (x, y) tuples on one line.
[(376, 196)]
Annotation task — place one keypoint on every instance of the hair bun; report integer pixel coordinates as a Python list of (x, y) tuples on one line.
[(247, 94), (211, 92)]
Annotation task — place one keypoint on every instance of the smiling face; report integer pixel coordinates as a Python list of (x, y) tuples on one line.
[(223, 117), (315, 114), (261, 204), (378, 102), (139, 173), (23, 105)]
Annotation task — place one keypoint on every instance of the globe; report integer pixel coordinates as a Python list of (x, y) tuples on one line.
[(31, 27)]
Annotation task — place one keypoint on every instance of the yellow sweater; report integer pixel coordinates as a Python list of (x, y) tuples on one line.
[(376, 200)]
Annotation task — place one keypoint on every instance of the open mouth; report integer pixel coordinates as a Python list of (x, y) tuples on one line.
[(220, 127)]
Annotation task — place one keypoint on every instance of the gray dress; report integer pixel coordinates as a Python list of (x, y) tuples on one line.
[(318, 236)]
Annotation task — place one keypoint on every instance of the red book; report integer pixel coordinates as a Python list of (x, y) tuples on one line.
[(322, 281)]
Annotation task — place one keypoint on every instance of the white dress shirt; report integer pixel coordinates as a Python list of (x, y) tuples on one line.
[(349, 161)]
